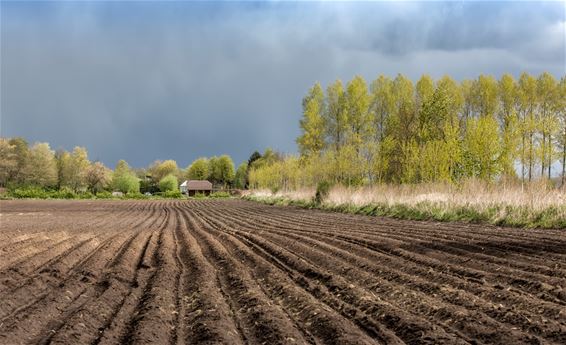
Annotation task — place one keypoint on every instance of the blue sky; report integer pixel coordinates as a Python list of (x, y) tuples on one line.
[(178, 80)]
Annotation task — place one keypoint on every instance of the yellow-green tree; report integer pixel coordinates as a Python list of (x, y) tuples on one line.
[(547, 93), (485, 95), (560, 109), (482, 148), (424, 90), (402, 128), (124, 179), (335, 115), (311, 141), (73, 168), (21, 150), (221, 170), (199, 169), (241, 176), (42, 167), (508, 123), (359, 117), (169, 183), (160, 169), (8, 161), (382, 104), (98, 177), (527, 106)]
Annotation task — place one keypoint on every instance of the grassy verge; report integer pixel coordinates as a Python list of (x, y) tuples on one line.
[(41, 194), (551, 217)]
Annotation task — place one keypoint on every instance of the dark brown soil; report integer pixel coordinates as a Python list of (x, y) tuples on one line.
[(237, 272)]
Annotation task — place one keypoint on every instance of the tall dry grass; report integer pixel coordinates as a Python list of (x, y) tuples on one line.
[(532, 205)]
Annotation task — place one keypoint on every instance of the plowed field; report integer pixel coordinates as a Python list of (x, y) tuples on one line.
[(237, 272)]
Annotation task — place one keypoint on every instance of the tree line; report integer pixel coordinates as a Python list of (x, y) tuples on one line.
[(38, 166), (396, 131)]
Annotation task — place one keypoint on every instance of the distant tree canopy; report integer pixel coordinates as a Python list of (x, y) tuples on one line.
[(390, 131), (218, 170), (443, 130), (39, 166)]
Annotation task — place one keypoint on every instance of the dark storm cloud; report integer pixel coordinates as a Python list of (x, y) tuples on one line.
[(149, 80)]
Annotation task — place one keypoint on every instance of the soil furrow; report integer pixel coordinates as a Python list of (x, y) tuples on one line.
[(226, 271)]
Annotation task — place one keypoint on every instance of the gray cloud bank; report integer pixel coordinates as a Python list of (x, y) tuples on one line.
[(148, 80)]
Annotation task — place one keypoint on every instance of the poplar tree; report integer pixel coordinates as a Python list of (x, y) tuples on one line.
[(485, 96), (382, 104), (424, 90), (481, 147), (508, 123), (359, 117), (402, 128), (547, 92), (528, 101), (560, 109), (467, 91), (335, 115), (311, 141)]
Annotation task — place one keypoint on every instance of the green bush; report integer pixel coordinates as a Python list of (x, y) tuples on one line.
[(322, 191), (220, 195), (127, 183), (199, 195), (85, 195), (168, 184), (134, 195), (104, 195), (28, 192), (63, 193), (174, 194)]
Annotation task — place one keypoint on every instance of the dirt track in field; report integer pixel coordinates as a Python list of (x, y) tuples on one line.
[(237, 272)]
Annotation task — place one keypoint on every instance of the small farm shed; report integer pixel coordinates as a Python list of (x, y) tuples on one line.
[(197, 186)]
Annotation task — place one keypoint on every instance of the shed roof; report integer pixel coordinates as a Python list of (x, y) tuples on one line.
[(199, 185)]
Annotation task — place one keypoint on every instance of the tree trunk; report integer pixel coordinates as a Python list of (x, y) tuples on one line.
[(549, 154), (523, 158), (564, 159), (543, 155), (530, 156)]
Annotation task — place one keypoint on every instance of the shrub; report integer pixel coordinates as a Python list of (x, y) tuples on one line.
[(28, 192), (134, 195), (175, 194), (220, 195), (322, 191), (168, 184), (85, 195), (63, 193), (104, 195), (127, 183)]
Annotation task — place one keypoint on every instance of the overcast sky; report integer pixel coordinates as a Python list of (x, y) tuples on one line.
[(174, 80)]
